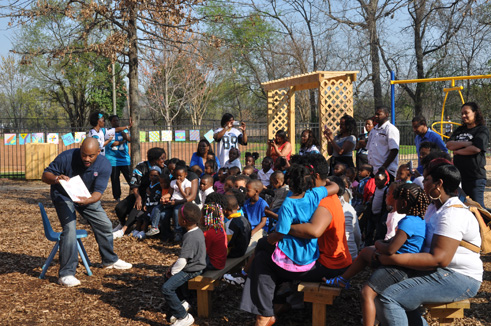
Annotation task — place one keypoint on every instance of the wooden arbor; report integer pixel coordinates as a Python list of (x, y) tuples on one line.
[(335, 100)]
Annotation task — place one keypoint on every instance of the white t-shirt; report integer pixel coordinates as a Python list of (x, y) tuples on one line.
[(264, 176), (380, 141), (230, 139), (235, 162), (459, 224), (101, 136), (202, 196), (340, 142), (177, 195), (352, 228), (392, 222)]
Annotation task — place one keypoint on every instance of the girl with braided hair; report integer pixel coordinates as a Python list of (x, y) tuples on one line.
[(412, 201), (215, 236)]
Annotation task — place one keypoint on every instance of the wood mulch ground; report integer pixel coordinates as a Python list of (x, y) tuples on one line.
[(130, 297)]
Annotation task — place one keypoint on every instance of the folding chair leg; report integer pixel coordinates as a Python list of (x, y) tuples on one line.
[(49, 260), (83, 254)]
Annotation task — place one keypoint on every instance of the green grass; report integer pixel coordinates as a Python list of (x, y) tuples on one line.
[(13, 175)]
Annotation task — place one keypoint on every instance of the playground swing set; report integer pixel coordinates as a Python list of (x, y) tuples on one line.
[(452, 87)]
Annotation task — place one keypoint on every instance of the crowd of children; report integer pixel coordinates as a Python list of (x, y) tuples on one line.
[(217, 218)]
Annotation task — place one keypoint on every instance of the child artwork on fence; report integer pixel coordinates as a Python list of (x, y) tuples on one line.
[(79, 137), (37, 138), (180, 135), (209, 136), (24, 139), (154, 136), (166, 135), (143, 136), (10, 139), (194, 135), (52, 138), (68, 139)]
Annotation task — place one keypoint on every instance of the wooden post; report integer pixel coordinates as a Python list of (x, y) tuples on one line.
[(38, 157), (291, 117)]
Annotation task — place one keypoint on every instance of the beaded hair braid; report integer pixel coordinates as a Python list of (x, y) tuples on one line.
[(415, 196), (213, 216)]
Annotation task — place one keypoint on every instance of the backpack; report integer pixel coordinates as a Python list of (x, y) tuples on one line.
[(484, 228)]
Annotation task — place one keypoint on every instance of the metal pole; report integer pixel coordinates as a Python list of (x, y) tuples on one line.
[(392, 99), (114, 89)]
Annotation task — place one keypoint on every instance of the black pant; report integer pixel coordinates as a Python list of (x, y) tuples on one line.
[(124, 207), (116, 184)]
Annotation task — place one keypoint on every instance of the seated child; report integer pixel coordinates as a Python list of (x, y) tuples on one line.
[(211, 169), (233, 159), (238, 229), (241, 181), (152, 196), (254, 207), (218, 185), (393, 217), (155, 213), (348, 195), (229, 183), (339, 169), (215, 236), (196, 169), (403, 173), (280, 191), (180, 187), (248, 170), (409, 238), (364, 173), (265, 173), (250, 160), (351, 225), (205, 188), (281, 164), (234, 170), (291, 253), (378, 212), (191, 263)]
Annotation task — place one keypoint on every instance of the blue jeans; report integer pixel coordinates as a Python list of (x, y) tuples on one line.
[(169, 291), (475, 189), (101, 225), (398, 304), (162, 215)]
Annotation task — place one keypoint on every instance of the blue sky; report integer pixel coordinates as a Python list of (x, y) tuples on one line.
[(5, 35)]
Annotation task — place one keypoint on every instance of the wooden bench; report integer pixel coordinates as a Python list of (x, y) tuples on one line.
[(320, 296), (448, 312), (205, 283)]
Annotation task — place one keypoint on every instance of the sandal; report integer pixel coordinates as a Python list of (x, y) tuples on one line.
[(339, 282)]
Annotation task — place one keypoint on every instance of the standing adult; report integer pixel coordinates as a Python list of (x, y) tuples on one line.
[(446, 270), (200, 157), (227, 136), (95, 170), (423, 133), (279, 146), (448, 127), (118, 155), (361, 145), (341, 146), (308, 143), (468, 143), (104, 136), (139, 183), (383, 144)]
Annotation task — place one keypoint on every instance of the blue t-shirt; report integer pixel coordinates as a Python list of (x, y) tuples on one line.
[(118, 155), (297, 211), (70, 163), (255, 212), (415, 228), (198, 160), (432, 137)]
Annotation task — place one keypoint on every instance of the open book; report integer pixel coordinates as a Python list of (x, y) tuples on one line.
[(75, 188)]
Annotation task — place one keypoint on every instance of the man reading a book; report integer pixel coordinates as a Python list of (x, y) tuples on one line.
[(94, 170)]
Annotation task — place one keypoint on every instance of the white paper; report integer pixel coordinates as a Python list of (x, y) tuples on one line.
[(75, 188)]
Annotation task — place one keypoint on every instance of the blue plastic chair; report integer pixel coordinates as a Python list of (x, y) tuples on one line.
[(55, 237)]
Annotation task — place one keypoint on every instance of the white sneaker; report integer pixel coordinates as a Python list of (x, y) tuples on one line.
[(152, 231), (186, 321), (118, 234), (118, 227), (119, 264), (68, 281), (185, 305)]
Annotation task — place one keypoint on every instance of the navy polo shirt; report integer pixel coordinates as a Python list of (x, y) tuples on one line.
[(70, 163)]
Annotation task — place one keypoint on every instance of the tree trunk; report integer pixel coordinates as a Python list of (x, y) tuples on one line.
[(133, 85), (374, 55), (419, 11)]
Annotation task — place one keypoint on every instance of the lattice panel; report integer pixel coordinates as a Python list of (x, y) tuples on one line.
[(278, 111), (335, 100)]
